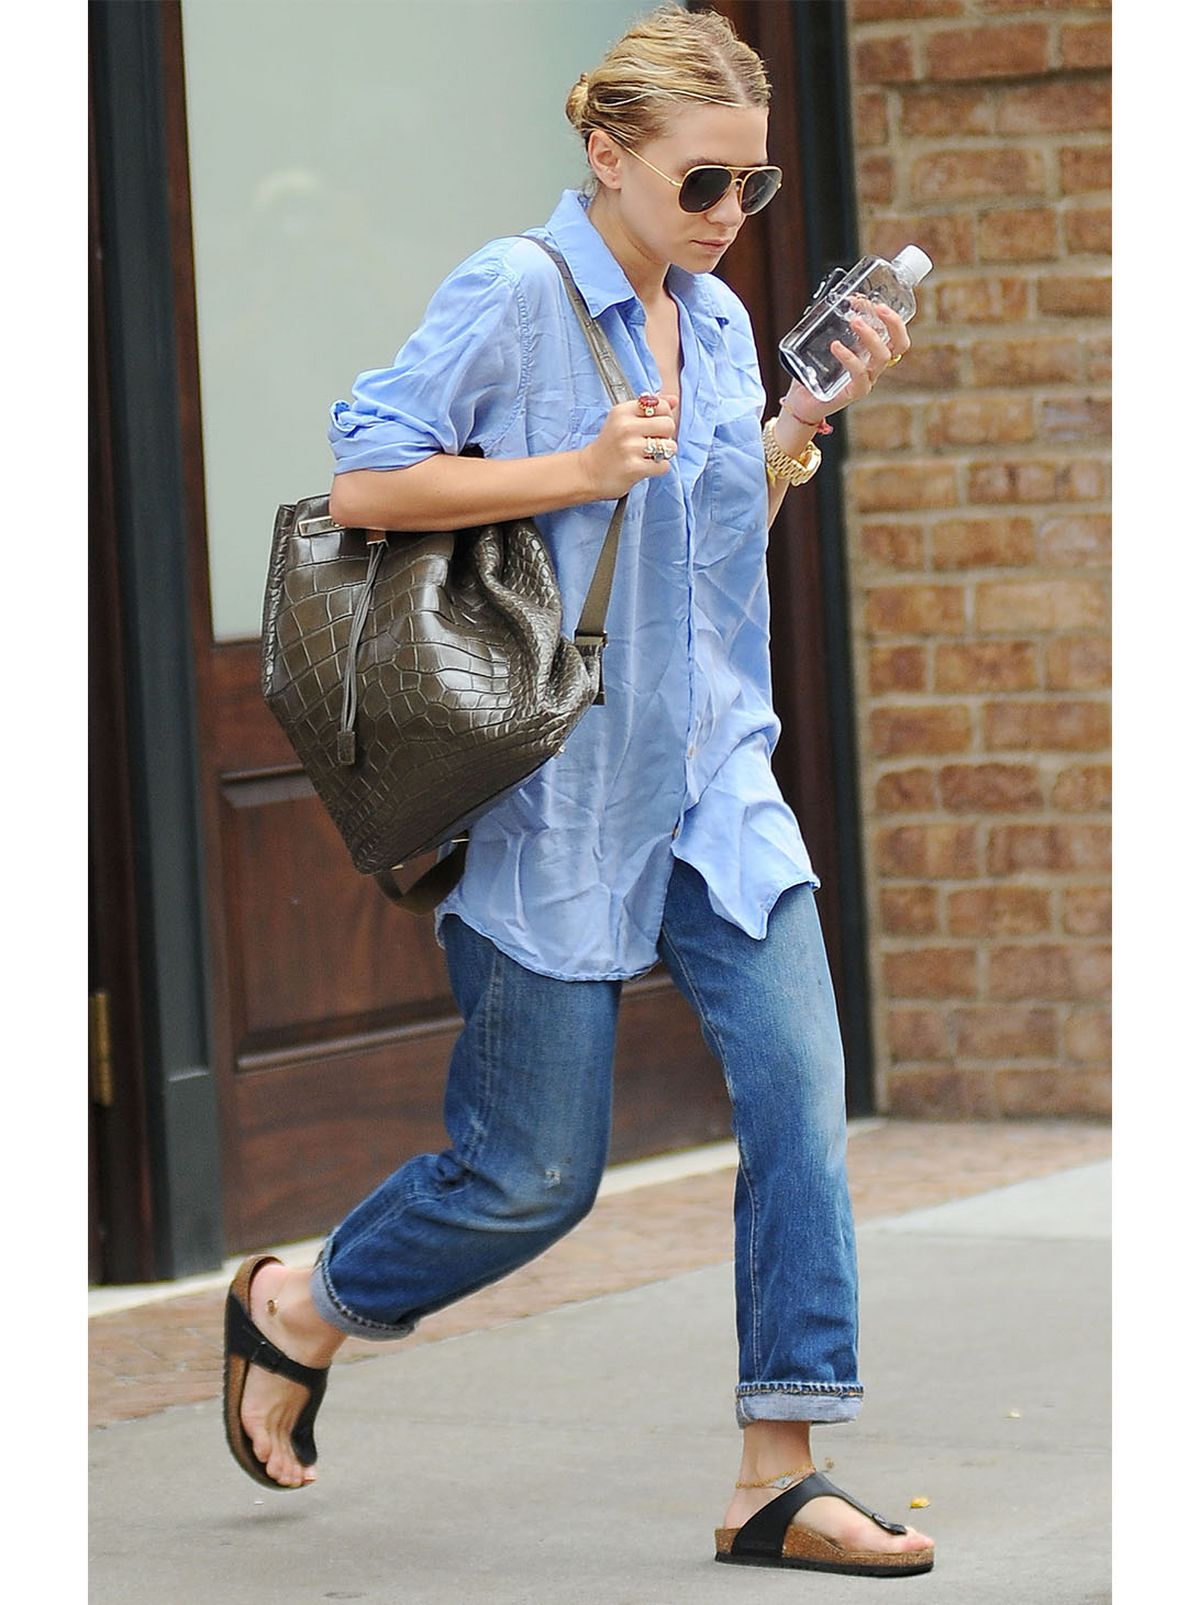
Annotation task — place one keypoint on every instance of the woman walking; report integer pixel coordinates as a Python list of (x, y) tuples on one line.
[(658, 833)]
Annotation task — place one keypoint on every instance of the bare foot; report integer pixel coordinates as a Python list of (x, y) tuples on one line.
[(282, 1310), (832, 1518)]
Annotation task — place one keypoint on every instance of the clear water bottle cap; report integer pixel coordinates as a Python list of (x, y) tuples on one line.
[(912, 263)]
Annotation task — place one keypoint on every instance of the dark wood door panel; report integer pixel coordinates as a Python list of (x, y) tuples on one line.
[(317, 951)]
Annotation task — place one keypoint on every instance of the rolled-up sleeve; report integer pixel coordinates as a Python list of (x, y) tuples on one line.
[(459, 380)]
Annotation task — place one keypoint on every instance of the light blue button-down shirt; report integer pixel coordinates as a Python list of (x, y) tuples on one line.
[(568, 874)]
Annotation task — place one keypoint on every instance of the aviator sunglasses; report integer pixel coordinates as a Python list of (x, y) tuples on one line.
[(702, 187)]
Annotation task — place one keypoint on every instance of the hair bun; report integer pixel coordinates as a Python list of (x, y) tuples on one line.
[(576, 107)]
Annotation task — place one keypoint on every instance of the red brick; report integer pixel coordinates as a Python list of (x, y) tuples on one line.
[(920, 730), (1013, 849), (903, 486), (983, 543), (880, 426), (938, 851), (949, 238), (998, 911), (899, 668), (1040, 361), (1078, 540), (1059, 106), (908, 910), (1033, 1094), (990, 7), (1097, 360), (1084, 789), (1087, 44), (915, 609), (894, 545), (886, 60), (1079, 479), (1046, 726), (906, 791), (917, 1034), (932, 113), (1089, 230), (936, 367), (1039, 604), (1018, 234), (870, 118), (1004, 1033), (904, 10), (1081, 663), (931, 972), (876, 180), (986, 666), (1075, 295), (961, 175), (990, 788), (1075, 418), (1049, 972), (1083, 168), (980, 421), (1089, 1035), (940, 1094), (1087, 911), (1005, 51), (983, 300)]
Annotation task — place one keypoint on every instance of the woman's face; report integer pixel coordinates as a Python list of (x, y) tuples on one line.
[(648, 206)]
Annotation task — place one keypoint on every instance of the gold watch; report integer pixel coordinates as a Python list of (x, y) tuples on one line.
[(781, 465)]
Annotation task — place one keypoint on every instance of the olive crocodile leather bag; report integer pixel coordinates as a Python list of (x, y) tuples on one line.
[(421, 677)]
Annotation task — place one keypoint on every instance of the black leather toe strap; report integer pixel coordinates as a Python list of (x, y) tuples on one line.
[(243, 1337), (764, 1533)]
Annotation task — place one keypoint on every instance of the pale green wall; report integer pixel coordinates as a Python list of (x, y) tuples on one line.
[(345, 154)]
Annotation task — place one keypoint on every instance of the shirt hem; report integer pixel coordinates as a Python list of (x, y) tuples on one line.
[(536, 969)]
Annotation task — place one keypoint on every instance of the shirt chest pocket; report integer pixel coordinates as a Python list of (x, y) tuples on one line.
[(736, 474)]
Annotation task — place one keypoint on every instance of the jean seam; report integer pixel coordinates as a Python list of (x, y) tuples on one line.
[(486, 1085), (755, 1300)]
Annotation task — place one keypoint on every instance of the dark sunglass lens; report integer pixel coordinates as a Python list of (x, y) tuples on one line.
[(759, 188), (703, 187)]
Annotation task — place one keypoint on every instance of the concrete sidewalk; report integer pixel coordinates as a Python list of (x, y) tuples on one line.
[(585, 1453)]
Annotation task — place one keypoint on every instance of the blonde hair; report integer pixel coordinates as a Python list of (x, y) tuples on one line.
[(667, 58)]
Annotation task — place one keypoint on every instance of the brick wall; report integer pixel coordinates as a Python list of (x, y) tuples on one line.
[(977, 485)]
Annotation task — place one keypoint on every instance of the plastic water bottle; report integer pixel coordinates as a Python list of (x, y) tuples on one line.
[(805, 350)]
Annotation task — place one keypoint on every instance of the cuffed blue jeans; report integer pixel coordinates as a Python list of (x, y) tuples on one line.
[(528, 1112)]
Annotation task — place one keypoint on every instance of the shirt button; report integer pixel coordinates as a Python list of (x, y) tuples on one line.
[(675, 833), (691, 752)]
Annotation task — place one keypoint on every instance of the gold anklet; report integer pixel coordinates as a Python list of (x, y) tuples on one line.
[(783, 1480)]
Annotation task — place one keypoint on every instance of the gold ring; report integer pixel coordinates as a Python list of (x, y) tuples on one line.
[(892, 361)]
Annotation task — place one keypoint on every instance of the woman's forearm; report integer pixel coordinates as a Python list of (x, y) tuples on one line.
[(448, 492)]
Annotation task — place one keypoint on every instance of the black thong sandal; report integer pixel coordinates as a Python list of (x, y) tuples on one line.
[(769, 1539), (245, 1346)]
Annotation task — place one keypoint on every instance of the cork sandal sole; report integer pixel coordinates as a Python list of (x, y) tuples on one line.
[(245, 1346), (770, 1539)]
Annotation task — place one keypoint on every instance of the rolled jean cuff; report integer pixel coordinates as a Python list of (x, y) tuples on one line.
[(797, 1401), (331, 1310)]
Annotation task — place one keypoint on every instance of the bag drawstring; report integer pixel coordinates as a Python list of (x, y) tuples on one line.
[(346, 742)]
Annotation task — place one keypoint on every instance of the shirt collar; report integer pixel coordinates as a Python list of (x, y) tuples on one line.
[(599, 275)]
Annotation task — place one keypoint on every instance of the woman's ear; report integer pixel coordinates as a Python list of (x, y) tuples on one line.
[(604, 154)]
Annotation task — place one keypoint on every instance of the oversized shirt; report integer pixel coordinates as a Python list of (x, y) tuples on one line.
[(568, 873)]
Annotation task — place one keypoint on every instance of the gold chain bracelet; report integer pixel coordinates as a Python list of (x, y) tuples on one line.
[(782, 465), (782, 1480)]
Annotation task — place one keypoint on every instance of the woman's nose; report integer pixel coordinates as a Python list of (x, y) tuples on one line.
[(727, 213)]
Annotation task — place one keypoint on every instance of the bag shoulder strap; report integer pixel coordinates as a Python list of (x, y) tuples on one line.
[(590, 636)]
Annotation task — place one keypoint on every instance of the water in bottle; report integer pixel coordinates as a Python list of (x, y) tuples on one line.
[(805, 350)]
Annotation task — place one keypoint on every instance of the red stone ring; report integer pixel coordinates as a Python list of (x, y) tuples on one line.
[(647, 404)]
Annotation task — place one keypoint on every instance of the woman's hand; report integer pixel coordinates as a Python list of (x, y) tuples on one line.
[(878, 354), (616, 459)]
